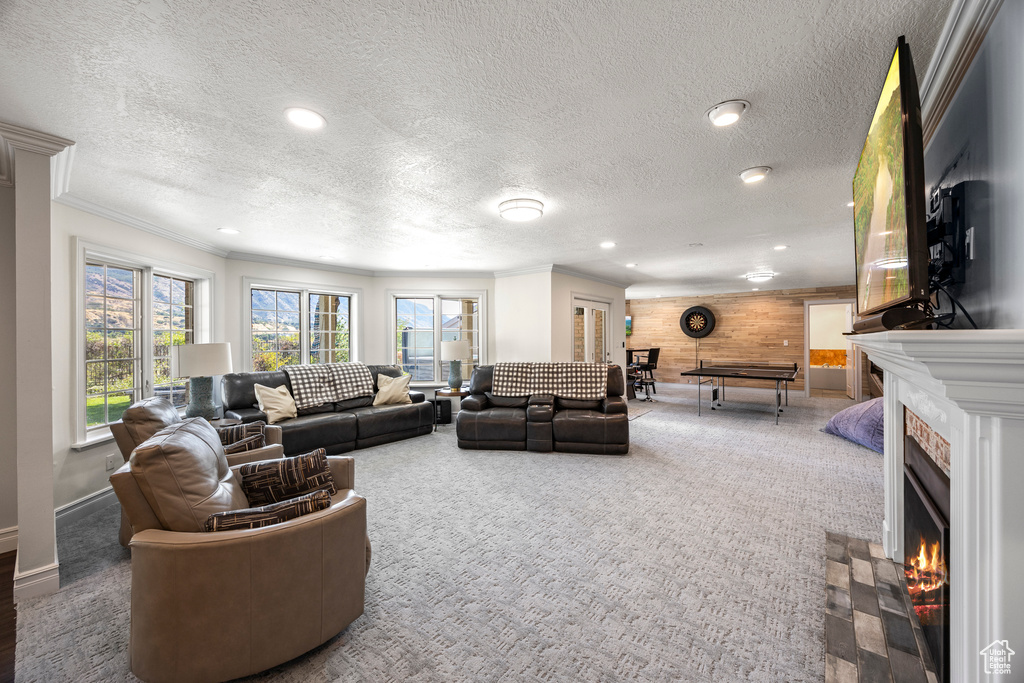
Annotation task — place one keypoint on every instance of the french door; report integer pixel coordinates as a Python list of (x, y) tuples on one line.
[(590, 331)]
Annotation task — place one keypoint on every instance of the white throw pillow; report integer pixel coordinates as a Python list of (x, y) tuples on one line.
[(392, 390), (276, 402)]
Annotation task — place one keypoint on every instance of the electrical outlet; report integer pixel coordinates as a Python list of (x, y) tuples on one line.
[(111, 462), (785, 342)]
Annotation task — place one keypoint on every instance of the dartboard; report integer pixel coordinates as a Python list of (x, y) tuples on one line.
[(697, 322)]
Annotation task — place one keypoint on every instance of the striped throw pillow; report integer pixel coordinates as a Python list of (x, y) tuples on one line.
[(256, 518), (272, 481)]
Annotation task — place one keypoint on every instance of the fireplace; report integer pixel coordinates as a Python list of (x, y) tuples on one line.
[(926, 500)]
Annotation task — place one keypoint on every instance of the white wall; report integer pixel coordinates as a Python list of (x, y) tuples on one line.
[(827, 323), (523, 317), (983, 133), (8, 362), (80, 473), (563, 289)]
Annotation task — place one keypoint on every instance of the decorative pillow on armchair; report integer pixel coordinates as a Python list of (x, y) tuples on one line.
[(275, 513), (863, 423), (273, 481)]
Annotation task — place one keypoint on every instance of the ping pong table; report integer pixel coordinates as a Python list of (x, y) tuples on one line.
[(780, 373)]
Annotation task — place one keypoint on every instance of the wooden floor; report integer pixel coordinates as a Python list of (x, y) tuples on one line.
[(8, 617)]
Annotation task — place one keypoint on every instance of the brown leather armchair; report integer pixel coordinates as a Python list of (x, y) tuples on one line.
[(221, 605), (145, 418)]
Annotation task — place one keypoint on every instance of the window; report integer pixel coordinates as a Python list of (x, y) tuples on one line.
[(173, 325), (275, 329), (329, 340), (112, 349), (423, 322), (130, 312), (290, 326)]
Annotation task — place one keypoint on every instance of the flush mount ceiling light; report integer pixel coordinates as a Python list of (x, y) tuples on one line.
[(519, 210), (781, 247), (631, 265), (892, 262), (756, 174), (305, 118), (727, 113), (762, 276), (607, 245), (228, 231)]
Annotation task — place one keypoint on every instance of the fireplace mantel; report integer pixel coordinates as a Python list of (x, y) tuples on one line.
[(968, 385)]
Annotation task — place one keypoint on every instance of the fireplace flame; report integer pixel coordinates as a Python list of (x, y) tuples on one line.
[(926, 572)]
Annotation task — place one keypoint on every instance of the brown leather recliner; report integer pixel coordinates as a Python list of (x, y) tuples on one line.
[(145, 418), (542, 422), (221, 605)]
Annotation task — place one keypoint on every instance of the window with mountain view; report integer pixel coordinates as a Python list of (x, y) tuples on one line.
[(275, 329), (112, 342), (421, 323), (173, 325)]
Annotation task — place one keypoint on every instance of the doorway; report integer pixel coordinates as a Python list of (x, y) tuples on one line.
[(831, 362), (590, 331)]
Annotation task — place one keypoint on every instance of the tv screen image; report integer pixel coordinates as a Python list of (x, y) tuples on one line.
[(879, 190), (629, 325)]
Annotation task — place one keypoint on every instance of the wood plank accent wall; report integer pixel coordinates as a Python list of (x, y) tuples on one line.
[(749, 326)]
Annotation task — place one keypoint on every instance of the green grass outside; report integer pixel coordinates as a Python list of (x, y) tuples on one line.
[(94, 409)]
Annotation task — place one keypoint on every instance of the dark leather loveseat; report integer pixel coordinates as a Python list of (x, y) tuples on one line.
[(543, 422), (338, 427)]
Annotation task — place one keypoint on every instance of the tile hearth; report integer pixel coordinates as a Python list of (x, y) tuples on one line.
[(871, 632)]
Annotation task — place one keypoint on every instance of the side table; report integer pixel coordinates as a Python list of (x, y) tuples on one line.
[(443, 406), (224, 422)]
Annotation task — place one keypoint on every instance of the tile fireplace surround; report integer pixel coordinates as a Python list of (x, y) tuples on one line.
[(968, 385)]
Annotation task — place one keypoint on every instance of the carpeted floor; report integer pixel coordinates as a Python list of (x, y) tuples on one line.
[(700, 556)]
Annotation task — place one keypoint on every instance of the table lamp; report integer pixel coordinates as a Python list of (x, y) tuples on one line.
[(456, 352), (199, 362)]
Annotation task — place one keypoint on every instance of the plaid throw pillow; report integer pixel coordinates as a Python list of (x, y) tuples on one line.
[(256, 518), (249, 443), (235, 433), (272, 481)]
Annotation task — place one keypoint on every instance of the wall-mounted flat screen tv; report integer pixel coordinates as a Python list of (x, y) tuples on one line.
[(889, 197), (629, 325)]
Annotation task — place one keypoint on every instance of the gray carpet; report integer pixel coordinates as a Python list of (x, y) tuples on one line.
[(700, 556)]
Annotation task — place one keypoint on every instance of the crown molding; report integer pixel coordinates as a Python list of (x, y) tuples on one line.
[(458, 274), (60, 171), (962, 36), (15, 137), (295, 263), (565, 270), (137, 223), (523, 271)]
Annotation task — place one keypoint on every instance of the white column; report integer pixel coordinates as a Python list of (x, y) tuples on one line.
[(892, 524), (36, 569)]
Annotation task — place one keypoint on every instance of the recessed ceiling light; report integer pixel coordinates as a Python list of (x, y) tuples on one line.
[(228, 231), (727, 113), (657, 296), (781, 247), (760, 276), (756, 174), (326, 258), (631, 265), (850, 204), (755, 289), (305, 118), (607, 245), (519, 210)]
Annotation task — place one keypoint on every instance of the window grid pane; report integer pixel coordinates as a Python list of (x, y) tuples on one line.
[(329, 338), (459, 322), (173, 325), (276, 339), (112, 342), (414, 325)]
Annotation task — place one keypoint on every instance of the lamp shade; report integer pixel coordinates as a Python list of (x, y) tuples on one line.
[(200, 360), (454, 350)]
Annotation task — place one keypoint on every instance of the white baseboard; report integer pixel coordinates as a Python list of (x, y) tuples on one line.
[(81, 508), (41, 581), (8, 539)]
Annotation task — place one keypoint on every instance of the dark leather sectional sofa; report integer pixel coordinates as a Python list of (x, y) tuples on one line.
[(543, 422), (338, 427)]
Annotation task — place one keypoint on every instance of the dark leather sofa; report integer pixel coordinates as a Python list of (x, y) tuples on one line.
[(543, 422), (338, 427)]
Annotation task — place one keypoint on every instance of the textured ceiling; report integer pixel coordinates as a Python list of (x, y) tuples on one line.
[(437, 111)]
